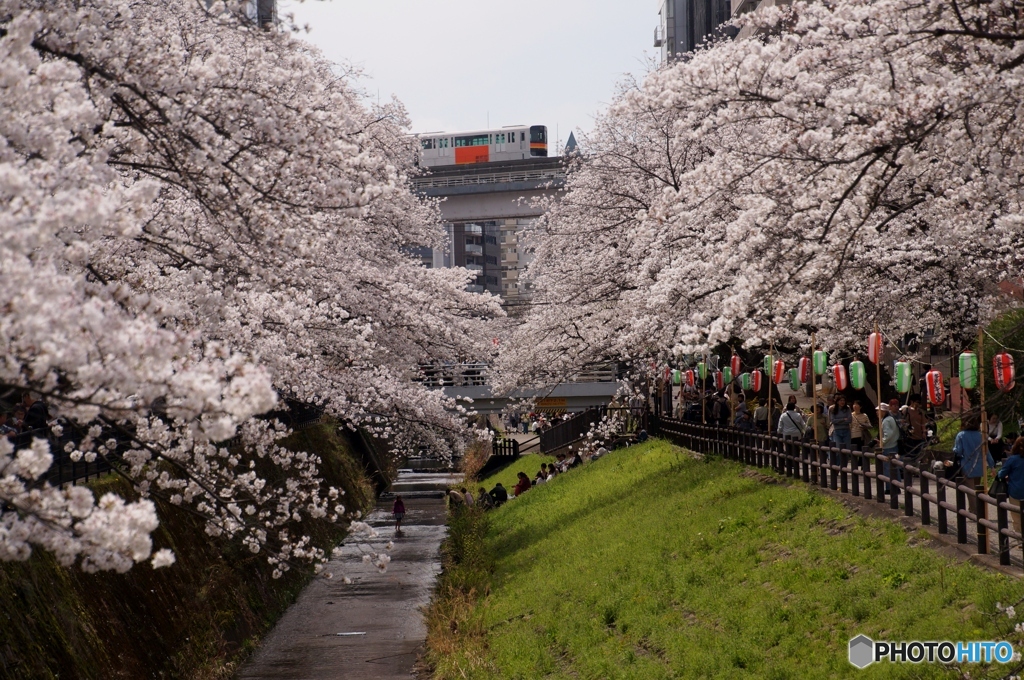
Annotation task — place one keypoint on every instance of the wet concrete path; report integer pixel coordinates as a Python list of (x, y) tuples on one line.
[(310, 641)]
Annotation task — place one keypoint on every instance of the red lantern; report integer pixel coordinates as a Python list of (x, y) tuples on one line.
[(934, 386), (1002, 363), (719, 380), (667, 374), (875, 347), (691, 379), (841, 378), (805, 369), (778, 372), (736, 365), (755, 381)]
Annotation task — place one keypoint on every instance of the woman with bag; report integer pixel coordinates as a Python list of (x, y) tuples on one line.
[(860, 426)]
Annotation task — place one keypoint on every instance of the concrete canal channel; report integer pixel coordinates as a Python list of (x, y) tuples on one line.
[(372, 628)]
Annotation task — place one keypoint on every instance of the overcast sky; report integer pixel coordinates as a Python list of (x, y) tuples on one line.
[(456, 64)]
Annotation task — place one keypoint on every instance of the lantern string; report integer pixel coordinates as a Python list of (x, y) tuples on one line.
[(993, 339)]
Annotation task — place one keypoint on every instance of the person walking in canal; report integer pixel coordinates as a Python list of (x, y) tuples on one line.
[(398, 510)]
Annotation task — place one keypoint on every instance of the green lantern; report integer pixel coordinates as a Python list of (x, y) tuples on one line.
[(726, 375), (968, 370), (769, 361), (702, 370), (794, 378), (904, 377), (745, 381), (858, 375), (677, 377), (820, 362)]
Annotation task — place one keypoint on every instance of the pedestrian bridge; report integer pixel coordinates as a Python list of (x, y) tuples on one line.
[(470, 382)]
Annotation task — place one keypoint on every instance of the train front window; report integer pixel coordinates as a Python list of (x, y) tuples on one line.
[(428, 144), (538, 134)]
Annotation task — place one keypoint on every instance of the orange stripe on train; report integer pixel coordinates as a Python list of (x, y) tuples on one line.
[(472, 154)]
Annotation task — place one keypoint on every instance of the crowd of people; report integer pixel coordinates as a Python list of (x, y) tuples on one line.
[(29, 415), (499, 495), (905, 432), (533, 423)]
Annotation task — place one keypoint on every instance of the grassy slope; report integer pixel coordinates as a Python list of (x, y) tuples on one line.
[(648, 564), (191, 620), (530, 464)]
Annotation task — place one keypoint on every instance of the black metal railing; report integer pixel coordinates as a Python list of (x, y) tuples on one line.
[(866, 473), (570, 431), (626, 422)]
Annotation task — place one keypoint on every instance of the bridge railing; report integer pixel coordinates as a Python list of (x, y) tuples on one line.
[(431, 182), (866, 473), (477, 373)]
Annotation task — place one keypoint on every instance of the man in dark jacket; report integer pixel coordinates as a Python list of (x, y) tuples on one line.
[(498, 494), (36, 413)]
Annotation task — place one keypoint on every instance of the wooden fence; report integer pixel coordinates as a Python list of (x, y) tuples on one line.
[(866, 473)]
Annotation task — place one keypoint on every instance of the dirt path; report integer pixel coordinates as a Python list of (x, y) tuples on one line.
[(383, 608)]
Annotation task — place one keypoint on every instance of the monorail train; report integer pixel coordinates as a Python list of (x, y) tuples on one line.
[(512, 143)]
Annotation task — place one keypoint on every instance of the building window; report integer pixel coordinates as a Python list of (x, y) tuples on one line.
[(492, 260)]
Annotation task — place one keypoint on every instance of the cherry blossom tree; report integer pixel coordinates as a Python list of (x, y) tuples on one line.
[(200, 215), (861, 162)]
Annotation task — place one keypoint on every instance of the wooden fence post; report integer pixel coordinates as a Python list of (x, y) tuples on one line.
[(980, 514), (940, 495), (961, 518), (908, 495), (879, 484), (926, 515), (1003, 524)]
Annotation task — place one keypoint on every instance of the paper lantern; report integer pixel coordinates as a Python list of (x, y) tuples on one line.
[(691, 378), (794, 378), (769, 361), (904, 377), (840, 377), (875, 347), (858, 375), (726, 375), (756, 379), (1002, 364), (676, 377), (735, 364), (820, 362), (719, 380), (968, 370), (933, 384), (667, 374), (805, 369), (745, 382), (702, 371), (779, 372)]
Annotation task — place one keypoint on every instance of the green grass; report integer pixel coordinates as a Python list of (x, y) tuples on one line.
[(650, 564), (530, 464)]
